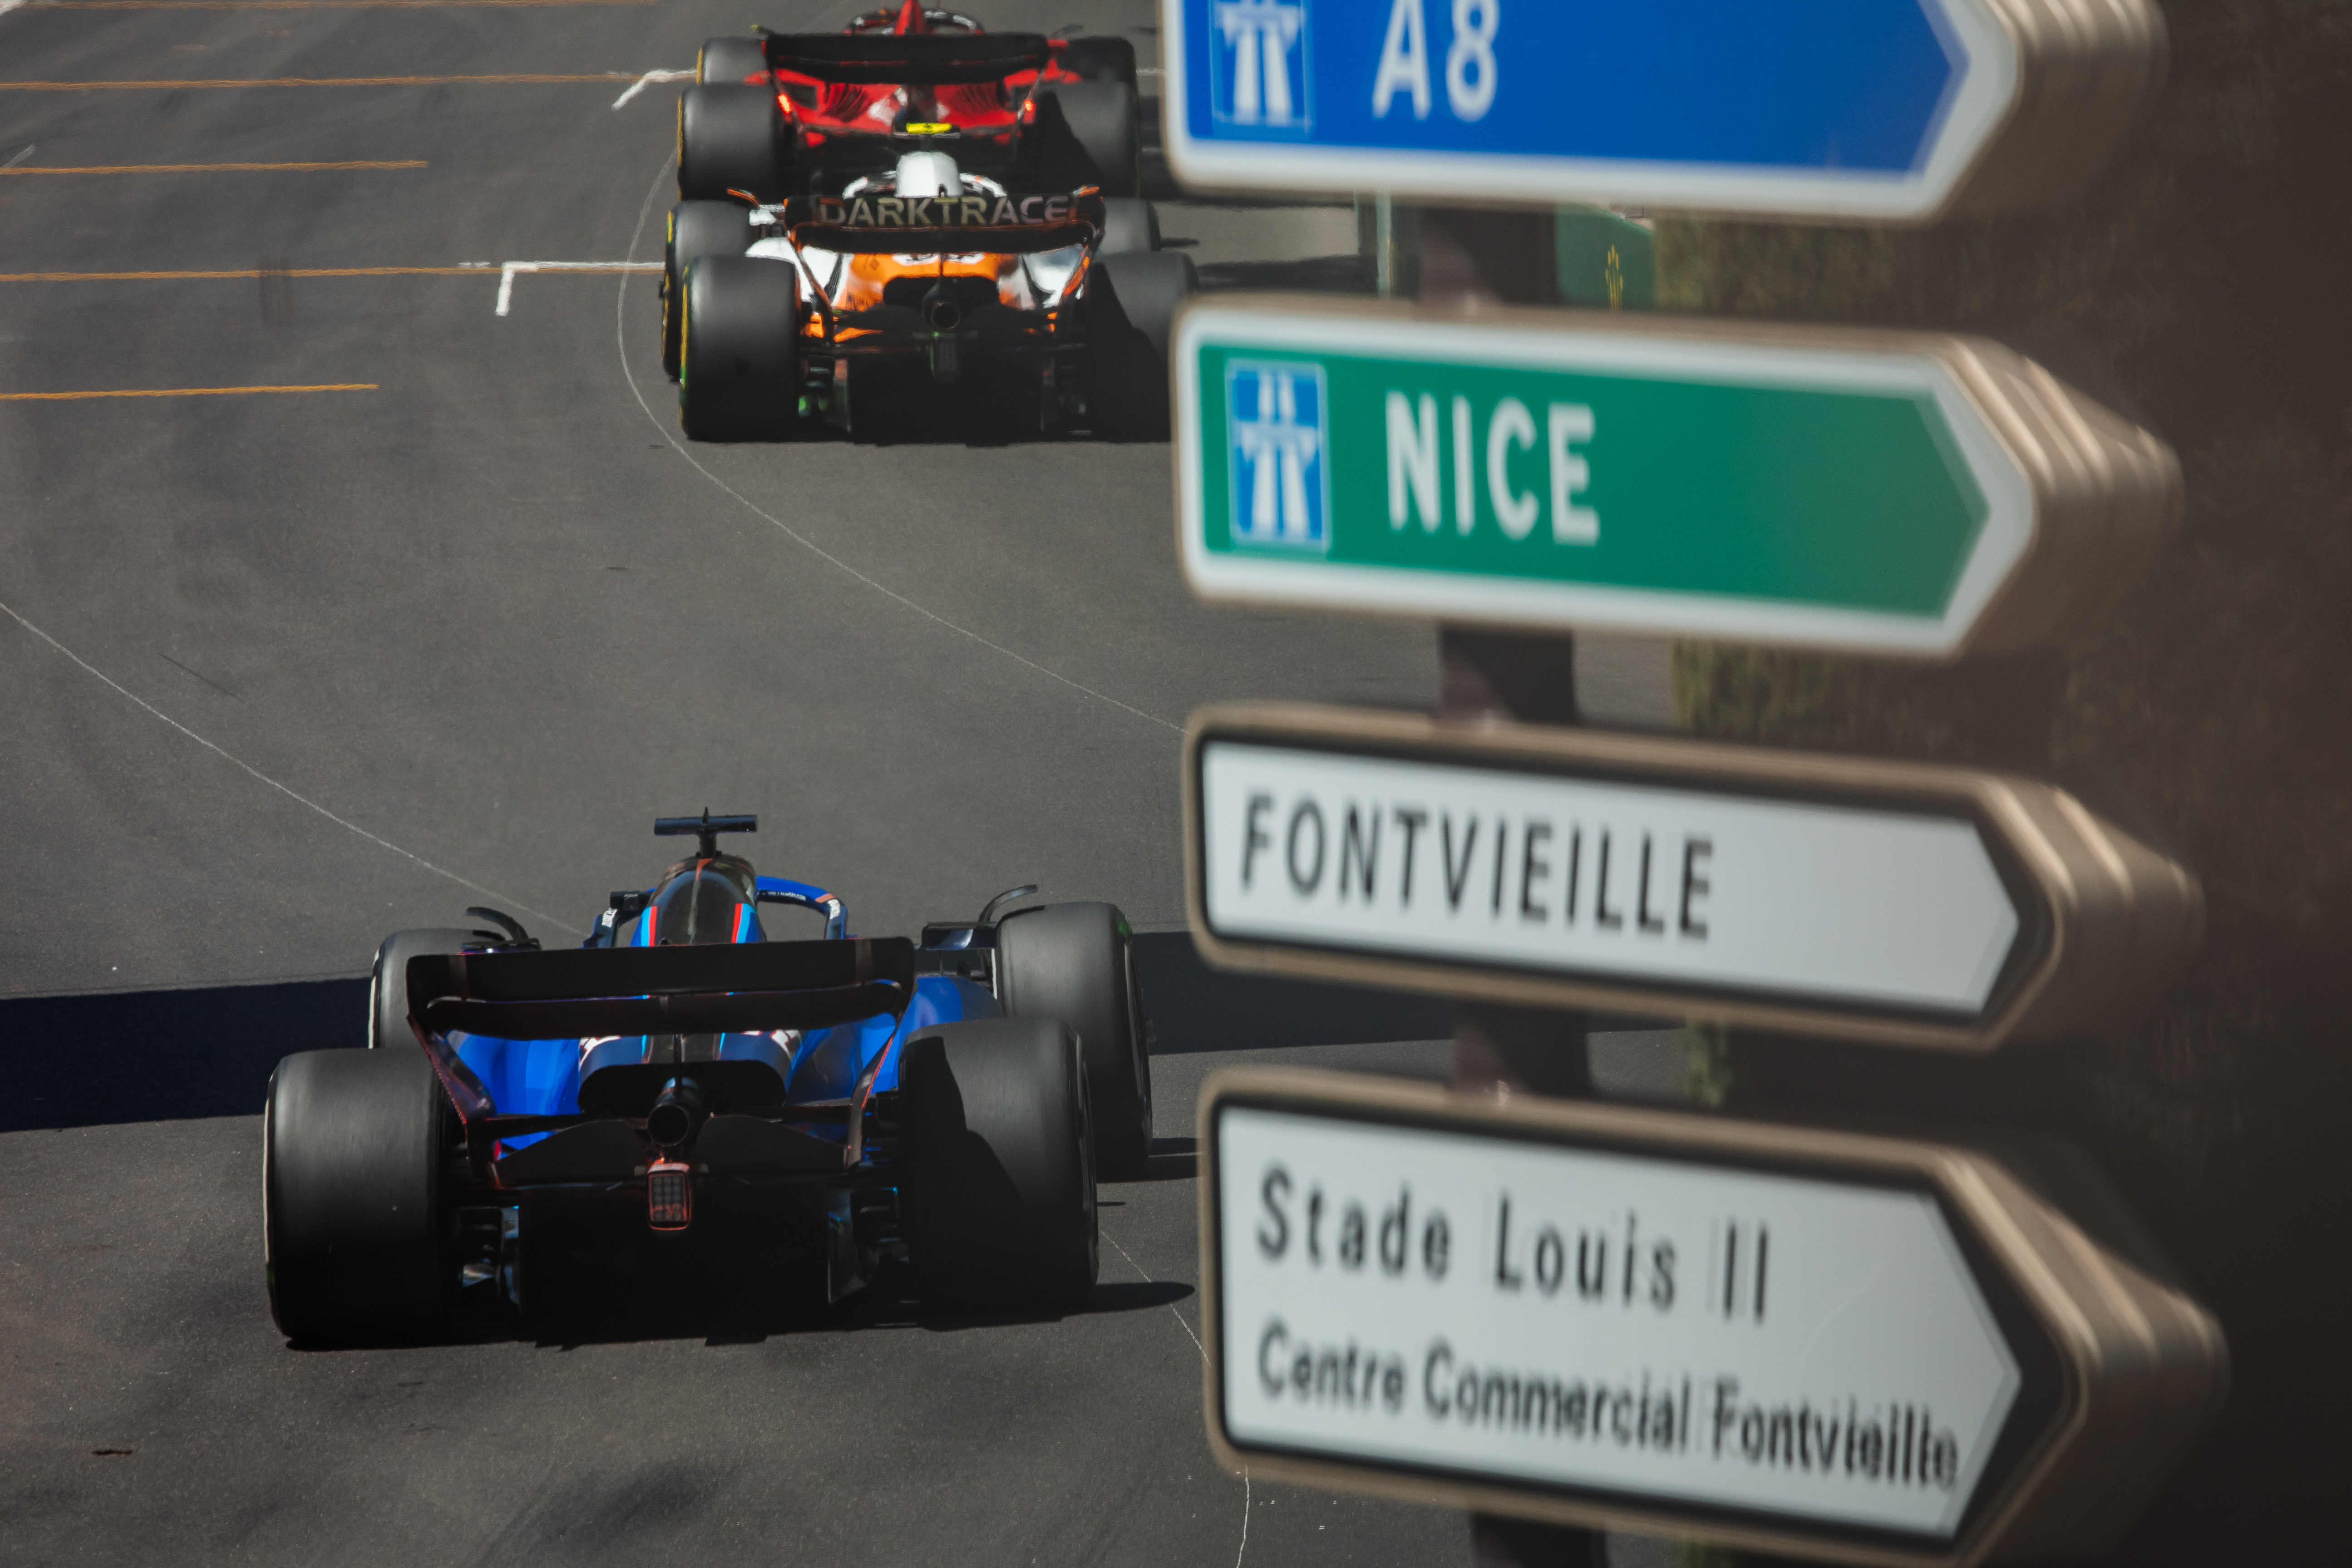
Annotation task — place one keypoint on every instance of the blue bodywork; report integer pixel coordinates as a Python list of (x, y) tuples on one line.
[(543, 1078)]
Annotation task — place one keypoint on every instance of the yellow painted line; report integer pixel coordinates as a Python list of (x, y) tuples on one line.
[(178, 392), (606, 78), (216, 168)]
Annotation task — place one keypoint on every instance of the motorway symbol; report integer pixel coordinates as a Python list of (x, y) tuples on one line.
[(1873, 111), (1894, 493), (1781, 1339), (1273, 428), (1899, 903)]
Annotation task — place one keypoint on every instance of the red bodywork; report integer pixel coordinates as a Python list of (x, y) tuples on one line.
[(821, 112)]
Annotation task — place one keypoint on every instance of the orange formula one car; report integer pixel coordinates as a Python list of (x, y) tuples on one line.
[(1037, 310)]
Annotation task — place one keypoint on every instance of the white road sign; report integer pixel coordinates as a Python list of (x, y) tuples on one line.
[(1598, 1319), (1567, 1304), (1573, 874), (1913, 904)]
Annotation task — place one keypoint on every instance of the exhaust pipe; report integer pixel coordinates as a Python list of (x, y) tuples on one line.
[(676, 1115)]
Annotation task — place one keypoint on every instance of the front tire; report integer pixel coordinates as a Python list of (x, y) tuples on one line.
[(1000, 1183), (738, 350), (388, 981), (1129, 305), (1130, 225), (1076, 962), (353, 1143), (697, 229), (731, 62)]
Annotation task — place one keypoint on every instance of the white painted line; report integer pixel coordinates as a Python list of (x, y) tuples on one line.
[(273, 784), (507, 271), (638, 87), (10, 6), (621, 344)]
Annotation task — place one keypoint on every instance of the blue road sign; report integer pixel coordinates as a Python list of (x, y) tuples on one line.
[(1872, 109), (1275, 439)]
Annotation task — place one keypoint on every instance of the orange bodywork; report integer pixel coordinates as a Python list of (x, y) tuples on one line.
[(866, 276)]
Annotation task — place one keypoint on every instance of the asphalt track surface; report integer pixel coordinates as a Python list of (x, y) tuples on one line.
[(283, 670)]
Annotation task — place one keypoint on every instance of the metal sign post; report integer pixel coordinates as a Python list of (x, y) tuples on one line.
[(1857, 1348), (1866, 110), (1900, 903), (1897, 493)]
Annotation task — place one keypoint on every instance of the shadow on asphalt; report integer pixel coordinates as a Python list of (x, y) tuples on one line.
[(1172, 1160), (114, 1057), (743, 1301), (1196, 1009)]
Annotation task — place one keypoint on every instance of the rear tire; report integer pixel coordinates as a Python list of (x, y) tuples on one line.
[(731, 62), (388, 981), (999, 1187), (697, 229), (731, 137), (739, 359), (1130, 227), (1130, 306), (1086, 134), (351, 1172), (1100, 59), (1076, 962)]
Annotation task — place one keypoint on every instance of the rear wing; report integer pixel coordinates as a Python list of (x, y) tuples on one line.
[(927, 226), (735, 988), (924, 59)]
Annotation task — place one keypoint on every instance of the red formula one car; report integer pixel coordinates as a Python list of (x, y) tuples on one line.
[(775, 115)]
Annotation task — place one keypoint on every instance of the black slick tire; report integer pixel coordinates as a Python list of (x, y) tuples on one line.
[(1100, 59), (1130, 309), (1076, 962), (999, 1182), (731, 61), (731, 137), (1085, 133), (739, 351), (388, 981), (697, 229), (350, 1169), (1130, 225)]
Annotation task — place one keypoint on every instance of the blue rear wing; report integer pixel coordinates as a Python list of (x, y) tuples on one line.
[(729, 988)]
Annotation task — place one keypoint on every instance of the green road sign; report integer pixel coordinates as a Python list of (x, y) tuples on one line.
[(1896, 493)]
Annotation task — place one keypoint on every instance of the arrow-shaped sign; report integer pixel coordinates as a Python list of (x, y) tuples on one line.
[(1888, 493), (1884, 111), (1901, 903), (1837, 1347)]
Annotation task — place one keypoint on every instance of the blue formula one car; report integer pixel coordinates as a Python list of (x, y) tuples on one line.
[(944, 1101)]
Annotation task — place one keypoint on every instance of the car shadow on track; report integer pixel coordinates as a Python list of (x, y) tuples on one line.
[(164, 1056), (739, 1301), (1170, 1160)]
